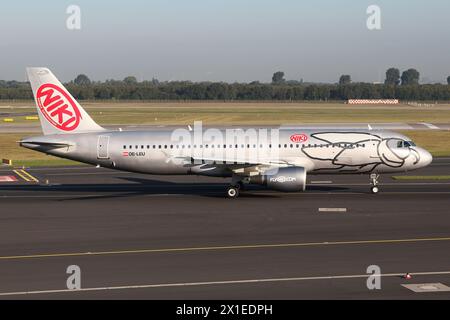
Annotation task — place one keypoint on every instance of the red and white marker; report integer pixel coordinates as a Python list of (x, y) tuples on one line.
[(407, 276), (8, 178)]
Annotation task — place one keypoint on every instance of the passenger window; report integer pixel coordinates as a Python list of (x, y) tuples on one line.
[(124, 147)]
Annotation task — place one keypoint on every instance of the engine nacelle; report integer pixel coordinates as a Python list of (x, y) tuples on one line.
[(291, 179)]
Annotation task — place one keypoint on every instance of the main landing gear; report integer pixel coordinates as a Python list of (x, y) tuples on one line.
[(374, 182), (234, 188), (233, 192)]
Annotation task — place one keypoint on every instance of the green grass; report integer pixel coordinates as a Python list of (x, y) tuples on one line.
[(54, 162), (437, 142), (421, 177), (211, 113), (271, 113), (10, 149)]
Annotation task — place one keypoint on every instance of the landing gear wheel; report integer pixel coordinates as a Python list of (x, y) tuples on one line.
[(374, 182), (232, 192)]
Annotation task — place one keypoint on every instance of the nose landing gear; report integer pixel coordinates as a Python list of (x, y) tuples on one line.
[(374, 182)]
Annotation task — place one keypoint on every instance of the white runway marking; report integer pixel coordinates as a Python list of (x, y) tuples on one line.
[(427, 287), (332, 209), (224, 282), (412, 183), (429, 125), (88, 173)]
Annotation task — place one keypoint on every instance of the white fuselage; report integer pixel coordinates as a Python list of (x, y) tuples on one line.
[(166, 152)]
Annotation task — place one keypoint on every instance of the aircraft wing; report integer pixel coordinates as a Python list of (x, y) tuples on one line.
[(250, 166)]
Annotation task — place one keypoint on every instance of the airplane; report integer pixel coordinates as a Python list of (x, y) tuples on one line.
[(280, 160)]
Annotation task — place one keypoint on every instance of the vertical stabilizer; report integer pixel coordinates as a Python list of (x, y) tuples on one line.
[(58, 111)]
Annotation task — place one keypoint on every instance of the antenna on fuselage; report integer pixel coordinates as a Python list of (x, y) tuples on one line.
[(369, 126), (189, 127)]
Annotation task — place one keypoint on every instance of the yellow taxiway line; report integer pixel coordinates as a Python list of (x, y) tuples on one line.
[(218, 248), (25, 175)]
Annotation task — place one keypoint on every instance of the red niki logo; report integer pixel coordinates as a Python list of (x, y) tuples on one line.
[(299, 137), (58, 107)]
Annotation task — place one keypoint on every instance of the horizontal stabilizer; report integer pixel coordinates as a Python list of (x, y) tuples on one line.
[(46, 144)]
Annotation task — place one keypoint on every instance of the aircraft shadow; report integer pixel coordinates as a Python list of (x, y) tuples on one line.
[(141, 186)]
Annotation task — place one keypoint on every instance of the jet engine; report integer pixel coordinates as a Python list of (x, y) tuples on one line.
[(290, 179)]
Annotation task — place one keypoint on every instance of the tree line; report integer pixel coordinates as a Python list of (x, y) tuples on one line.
[(403, 86)]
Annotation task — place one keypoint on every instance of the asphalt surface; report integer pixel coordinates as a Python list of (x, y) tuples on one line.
[(162, 237)]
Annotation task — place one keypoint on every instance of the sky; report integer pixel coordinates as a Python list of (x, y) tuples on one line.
[(226, 40)]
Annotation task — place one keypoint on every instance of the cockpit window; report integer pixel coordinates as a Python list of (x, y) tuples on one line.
[(405, 144)]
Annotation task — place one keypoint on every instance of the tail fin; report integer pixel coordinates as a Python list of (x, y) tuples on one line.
[(58, 111)]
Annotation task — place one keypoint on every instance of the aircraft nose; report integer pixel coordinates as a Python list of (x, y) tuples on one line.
[(425, 158)]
